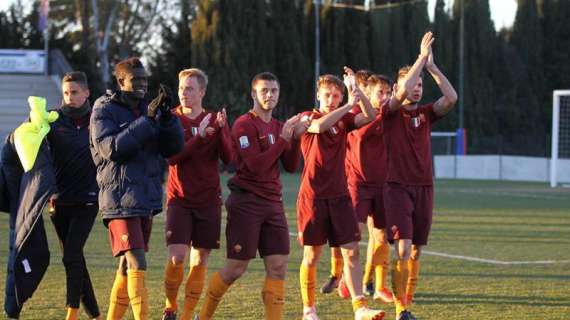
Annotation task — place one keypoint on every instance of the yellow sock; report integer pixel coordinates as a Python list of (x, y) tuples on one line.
[(138, 294), (214, 294), (382, 261), (358, 303), (193, 290), (368, 267), (413, 276), (273, 298), (399, 280), (72, 314), (173, 274), (308, 277), (336, 266), (119, 299)]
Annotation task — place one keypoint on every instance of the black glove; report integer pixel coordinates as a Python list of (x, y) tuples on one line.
[(166, 104), (154, 105)]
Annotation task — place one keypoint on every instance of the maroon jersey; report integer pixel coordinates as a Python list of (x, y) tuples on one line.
[(193, 173), (408, 142), (259, 147), (366, 159), (324, 174)]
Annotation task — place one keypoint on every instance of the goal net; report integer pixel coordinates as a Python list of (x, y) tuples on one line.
[(560, 150)]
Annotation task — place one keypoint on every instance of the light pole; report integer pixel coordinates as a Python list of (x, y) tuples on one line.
[(317, 4), (461, 61)]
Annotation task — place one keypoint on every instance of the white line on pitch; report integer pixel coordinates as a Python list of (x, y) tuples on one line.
[(475, 259)]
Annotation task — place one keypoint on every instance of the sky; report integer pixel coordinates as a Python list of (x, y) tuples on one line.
[(502, 11)]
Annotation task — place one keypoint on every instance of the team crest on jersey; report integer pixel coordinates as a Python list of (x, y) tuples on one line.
[(271, 138), (243, 142), (194, 131), (417, 121)]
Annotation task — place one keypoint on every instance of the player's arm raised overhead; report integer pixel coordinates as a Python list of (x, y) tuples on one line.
[(402, 92), (368, 113), (444, 104)]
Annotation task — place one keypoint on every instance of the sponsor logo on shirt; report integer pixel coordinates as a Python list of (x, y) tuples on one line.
[(243, 142), (333, 130), (271, 138), (194, 131)]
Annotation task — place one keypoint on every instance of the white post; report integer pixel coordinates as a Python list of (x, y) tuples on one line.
[(555, 136)]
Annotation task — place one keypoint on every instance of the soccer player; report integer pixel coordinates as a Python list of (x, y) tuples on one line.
[(324, 209), (73, 208), (129, 137), (256, 218), (408, 193), (366, 172), (332, 282), (194, 196)]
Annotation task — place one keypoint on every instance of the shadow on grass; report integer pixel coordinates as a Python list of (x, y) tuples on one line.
[(477, 299)]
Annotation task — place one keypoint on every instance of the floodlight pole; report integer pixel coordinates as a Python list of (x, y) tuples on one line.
[(317, 4), (461, 61)]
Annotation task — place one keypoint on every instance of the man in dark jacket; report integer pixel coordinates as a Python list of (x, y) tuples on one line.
[(73, 208), (128, 138)]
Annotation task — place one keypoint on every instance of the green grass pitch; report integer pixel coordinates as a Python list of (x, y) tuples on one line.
[(497, 221)]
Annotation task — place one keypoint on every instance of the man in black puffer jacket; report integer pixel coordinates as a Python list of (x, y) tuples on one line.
[(128, 138)]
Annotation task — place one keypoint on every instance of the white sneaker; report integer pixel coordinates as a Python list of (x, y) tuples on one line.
[(310, 313), (366, 313)]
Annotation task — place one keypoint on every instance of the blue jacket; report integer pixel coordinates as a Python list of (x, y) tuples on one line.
[(72, 162), (128, 150)]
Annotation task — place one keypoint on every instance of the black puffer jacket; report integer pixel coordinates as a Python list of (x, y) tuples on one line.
[(127, 148), (27, 194), (74, 167)]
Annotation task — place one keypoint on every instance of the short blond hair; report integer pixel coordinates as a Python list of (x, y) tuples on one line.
[(330, 80), (200, 76)]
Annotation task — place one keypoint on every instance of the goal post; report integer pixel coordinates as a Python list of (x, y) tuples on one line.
[(560, 148)]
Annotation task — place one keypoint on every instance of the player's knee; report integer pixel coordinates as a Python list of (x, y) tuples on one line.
[(71, 258), (310, 258), (416, 252), (379, 236), (351, 253), (136, 259), (277, 270), (177, 259), (199, 257)]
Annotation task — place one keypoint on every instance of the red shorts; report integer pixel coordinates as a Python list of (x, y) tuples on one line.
[(128, 234), (255, 224), (322, 220), (409, 211), (369, 201), (199, 227)]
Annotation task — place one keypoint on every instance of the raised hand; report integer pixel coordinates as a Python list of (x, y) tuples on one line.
[(289, 127), (427, 41), (203, 128), (429, 62), (354, 96), (349, 78), (221, 118)]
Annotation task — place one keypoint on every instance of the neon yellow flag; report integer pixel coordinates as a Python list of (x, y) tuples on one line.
[(29, 135)]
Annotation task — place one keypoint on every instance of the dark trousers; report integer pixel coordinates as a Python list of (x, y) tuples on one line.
[(73, 223)]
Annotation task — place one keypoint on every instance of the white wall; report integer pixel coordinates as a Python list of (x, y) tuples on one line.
[(494, 167)]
